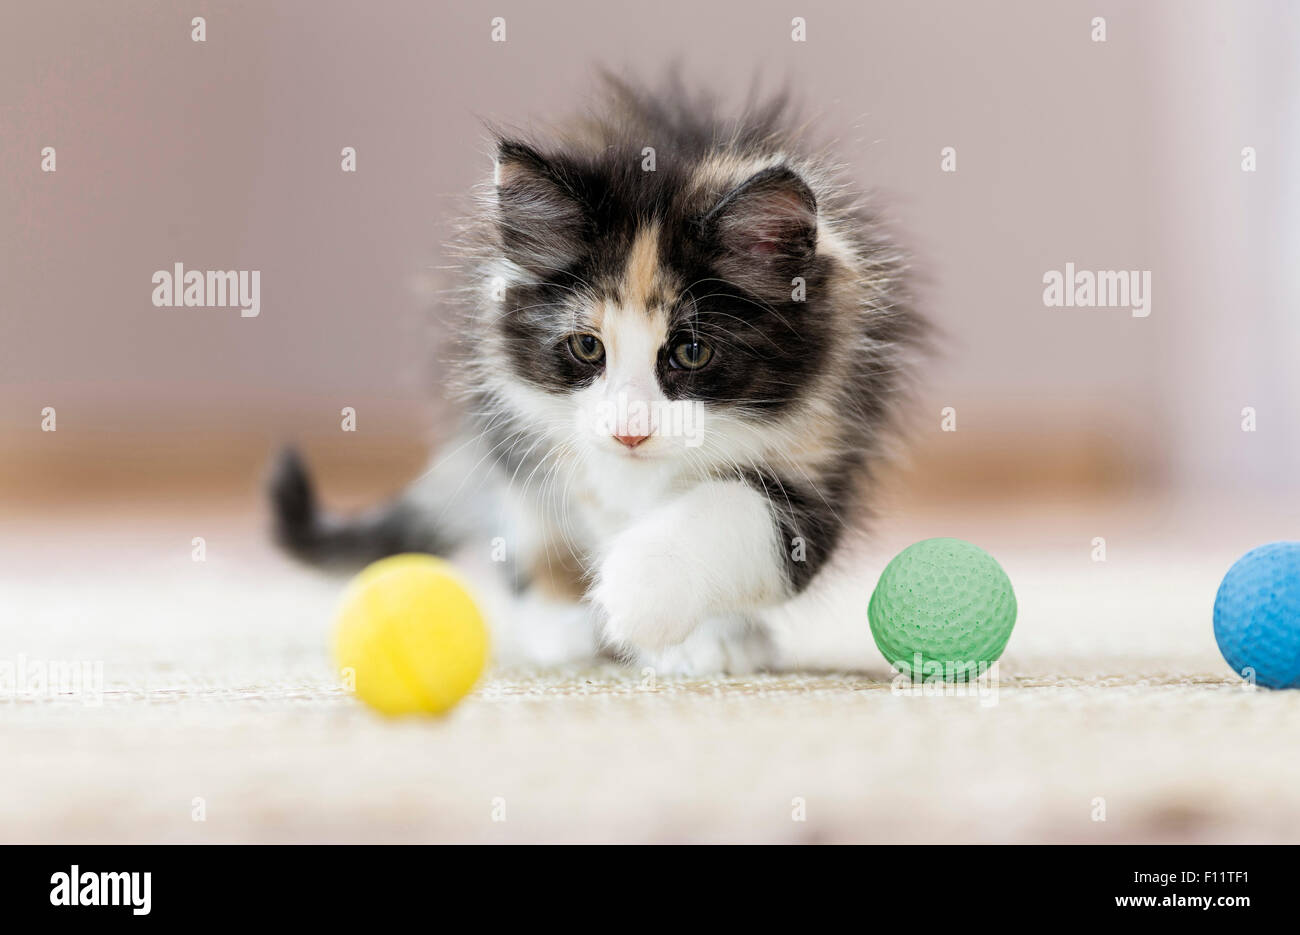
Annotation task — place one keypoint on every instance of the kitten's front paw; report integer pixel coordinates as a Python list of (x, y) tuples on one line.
[(647, 595), (715, 647)]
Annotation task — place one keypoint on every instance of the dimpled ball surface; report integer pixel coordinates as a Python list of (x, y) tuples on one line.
[(411, 634), (1257, 615), (947, 600)]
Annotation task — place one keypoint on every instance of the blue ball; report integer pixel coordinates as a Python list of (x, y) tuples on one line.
[(1257, 615)]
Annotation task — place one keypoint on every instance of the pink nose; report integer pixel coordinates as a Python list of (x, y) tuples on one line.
[(630, 440)]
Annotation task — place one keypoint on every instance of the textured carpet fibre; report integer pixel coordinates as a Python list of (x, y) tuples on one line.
[(218, 703)]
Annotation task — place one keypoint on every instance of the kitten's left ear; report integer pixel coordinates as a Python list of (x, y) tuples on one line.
[(542, 221), (766, 226)]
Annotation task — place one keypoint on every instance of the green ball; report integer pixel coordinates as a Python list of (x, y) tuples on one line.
[(946, 604)]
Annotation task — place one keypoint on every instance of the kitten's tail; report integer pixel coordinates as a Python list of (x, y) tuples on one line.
[(308, 533)]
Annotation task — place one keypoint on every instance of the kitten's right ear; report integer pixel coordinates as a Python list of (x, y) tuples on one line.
[(540, 217)]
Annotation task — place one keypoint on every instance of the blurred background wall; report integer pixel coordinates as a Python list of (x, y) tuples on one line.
[(225, 154)]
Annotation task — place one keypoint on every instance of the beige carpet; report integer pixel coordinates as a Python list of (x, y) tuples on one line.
[(218, 701)]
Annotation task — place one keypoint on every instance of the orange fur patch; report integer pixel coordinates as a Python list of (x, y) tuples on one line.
[(641, 277)]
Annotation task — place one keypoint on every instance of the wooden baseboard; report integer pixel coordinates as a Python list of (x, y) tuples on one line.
[(358, 467)]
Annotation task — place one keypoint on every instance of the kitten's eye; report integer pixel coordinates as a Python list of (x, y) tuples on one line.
[(690, 355), (586, 348)]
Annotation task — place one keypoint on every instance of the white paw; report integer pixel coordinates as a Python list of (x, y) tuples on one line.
[(536, 631), (648, 594), (728, 647)]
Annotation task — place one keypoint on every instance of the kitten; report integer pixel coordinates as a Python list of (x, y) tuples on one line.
[(680, 352)]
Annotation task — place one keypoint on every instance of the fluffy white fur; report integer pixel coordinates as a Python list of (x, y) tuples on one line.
[(689, 569)]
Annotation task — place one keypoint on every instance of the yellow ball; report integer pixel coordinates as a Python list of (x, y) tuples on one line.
[(411, 634)]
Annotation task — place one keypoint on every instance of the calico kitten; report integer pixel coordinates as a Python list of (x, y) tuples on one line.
[(680, 352)]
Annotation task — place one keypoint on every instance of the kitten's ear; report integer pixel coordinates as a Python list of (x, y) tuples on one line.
[(541, 219), (765, 230)]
